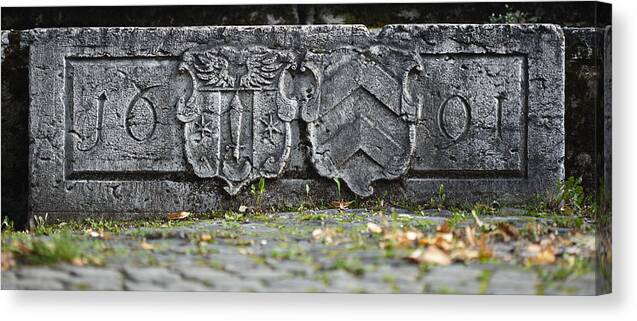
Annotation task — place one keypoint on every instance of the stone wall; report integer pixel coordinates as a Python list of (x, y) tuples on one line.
[(144, 120), (583, 74)]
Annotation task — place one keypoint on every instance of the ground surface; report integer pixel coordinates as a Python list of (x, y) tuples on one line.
[(359, 251)]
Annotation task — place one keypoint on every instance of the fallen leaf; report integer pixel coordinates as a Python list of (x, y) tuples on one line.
[(443, 241), (470, 237), (341, 205), (326, 235), (8, 260), (443, 228), (93, 234), (412, 236), (542, 258), (432, 255), (24, 250), (177, 215), (374, 228), (540, 255), (465, 255), (484, 249), (508, 229), (205, 238), (401, 238), (146, 246), (78, 261)]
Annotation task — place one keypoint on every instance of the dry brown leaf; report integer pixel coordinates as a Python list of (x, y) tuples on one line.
[(78, 261), (326, 235), (146, 246), (508, 229), (534, 248), (432, 255), (341, 205), (466, 255), (484, 249), (402, 238), (443, 241), (177, 215), (8, 260), (412, 236), (374, 228), (317, 233), (25, 250), (443, 228), (94, 234), (470, 236), (543, 255)]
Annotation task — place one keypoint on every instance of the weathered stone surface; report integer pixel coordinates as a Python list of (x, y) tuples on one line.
[(140, 121)]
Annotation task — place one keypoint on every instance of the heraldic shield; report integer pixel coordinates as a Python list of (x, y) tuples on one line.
[(236, 118), (363, 129)]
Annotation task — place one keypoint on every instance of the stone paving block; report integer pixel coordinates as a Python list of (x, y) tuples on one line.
[(205, 275), (340, 281), (238, 285), (140, 121), (234, 263), (186, 286), (407, 286), (92, 272), (295, 285), (508, 281), (42, 274), (452, 279), (385, 272), (34, 284), (97, 283), (151, 275), (143, 286), (263, 273), (292, 267)]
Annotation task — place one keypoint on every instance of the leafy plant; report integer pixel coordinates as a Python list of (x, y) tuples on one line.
[(39, 225), (571, 198), (340, 203), (257, 193), (511, 16), (485, 279), (441, 199), (59, 248), (234, 217), (338, 188), (7, 225), (455, 219)]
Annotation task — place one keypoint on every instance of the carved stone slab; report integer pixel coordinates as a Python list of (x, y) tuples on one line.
[(139, 121)]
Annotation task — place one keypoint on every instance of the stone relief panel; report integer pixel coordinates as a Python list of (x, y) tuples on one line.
[(143, 120), (236, 115), (363, 127), (473, 115), (121, 116)]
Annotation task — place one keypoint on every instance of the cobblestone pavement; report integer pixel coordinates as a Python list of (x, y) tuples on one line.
[(285, 252)]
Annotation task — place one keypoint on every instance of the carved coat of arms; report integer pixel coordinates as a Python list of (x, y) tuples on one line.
[(237, 114), (362, 128)]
